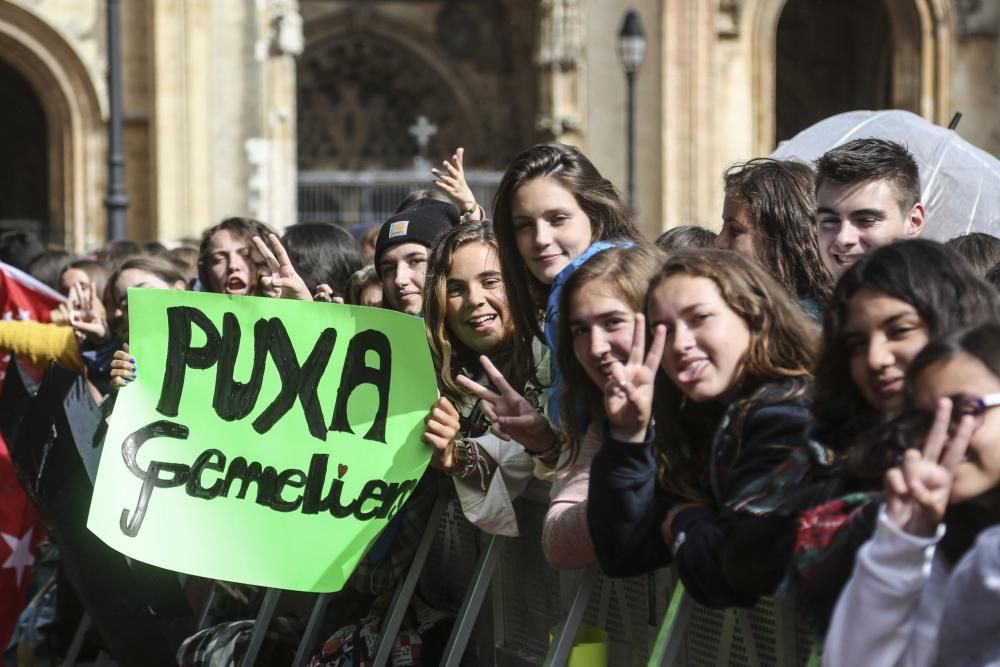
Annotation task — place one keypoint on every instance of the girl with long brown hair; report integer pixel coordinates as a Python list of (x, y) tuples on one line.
[(768, 215), (730, 359), (466, 316), (597, 310), (552, 211)]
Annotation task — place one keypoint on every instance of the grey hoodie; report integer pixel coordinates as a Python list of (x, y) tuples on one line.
[(970, 624)]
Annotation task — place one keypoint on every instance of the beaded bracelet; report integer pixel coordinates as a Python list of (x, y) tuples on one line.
[(471, 459)]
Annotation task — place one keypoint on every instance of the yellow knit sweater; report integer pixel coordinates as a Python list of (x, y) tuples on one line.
[(38, 344)]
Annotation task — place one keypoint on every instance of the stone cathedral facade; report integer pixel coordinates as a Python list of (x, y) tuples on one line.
[(228, 102)]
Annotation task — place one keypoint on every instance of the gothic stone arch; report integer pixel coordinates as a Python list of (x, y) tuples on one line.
[(363, 79), (923, 34), (74, 120)]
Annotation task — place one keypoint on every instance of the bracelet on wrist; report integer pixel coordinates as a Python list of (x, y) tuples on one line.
[(470, 461), (469, 212), (550, 455)]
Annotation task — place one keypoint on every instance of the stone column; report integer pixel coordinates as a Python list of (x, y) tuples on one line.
[(690, 167), (560, 76), (182, 99), (271, 189)]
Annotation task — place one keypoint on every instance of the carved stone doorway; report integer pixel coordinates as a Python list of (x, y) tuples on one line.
[(57, 106), (24, 160), (911, 57), (359, 94), (831, 57)]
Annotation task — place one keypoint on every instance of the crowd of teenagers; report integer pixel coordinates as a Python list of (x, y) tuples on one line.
[(798, 406)]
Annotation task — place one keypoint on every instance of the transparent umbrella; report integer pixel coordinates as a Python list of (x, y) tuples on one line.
[(960, 183)]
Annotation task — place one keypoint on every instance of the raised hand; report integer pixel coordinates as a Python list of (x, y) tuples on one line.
[(917, 492), (443, 425), (325, 294), (513, 417), (60, 314), (123, 368), (87, 315), (281, 280), (628, 395), (451, 181)]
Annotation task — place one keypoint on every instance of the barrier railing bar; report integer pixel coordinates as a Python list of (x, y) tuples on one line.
[(303, 653), (401, 598), (261, 625), (651, 598), (562, 643), (73, 652), (742, 618), (203, 619), (815, 655), (784, 621), (474, 596), (670, 636), (726, 636)]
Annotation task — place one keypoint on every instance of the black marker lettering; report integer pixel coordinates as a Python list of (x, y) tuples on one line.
[(294, 479), (356, 372), (253, 473), (301, 381), (151, 479), (181, 356), (210, 459), (232, 399), (311, 503), (374, 490)]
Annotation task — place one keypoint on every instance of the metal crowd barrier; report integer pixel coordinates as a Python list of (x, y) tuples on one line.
[(512, 601)]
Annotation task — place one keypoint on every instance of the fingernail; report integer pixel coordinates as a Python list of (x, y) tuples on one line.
[(131, 360), (133, 369), (127, 380), (133, 376)]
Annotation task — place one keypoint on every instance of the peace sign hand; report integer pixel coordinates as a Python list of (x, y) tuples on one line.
[(628, 395), (513, 417), (281, 280), (87, 314), (917, 492)]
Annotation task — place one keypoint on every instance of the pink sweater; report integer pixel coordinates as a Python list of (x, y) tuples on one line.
[(565, 535)]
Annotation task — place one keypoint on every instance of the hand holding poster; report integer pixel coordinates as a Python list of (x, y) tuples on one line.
[(264, 441)]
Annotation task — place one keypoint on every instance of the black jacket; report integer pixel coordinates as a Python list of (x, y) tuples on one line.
[(625, 508)]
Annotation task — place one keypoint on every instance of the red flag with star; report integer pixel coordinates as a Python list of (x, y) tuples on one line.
[(22, 298)]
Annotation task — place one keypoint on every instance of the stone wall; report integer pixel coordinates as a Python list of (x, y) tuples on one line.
[(212, 100)]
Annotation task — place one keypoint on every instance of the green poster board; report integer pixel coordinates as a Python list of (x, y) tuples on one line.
[(264, 441)]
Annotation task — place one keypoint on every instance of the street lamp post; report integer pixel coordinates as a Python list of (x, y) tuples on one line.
[(632, 49), (116, 200)]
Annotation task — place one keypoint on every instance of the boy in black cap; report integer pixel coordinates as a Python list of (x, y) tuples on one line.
[(402, 248)]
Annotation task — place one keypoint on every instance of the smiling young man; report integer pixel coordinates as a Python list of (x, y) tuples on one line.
[(867, 195), (402, 248)]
